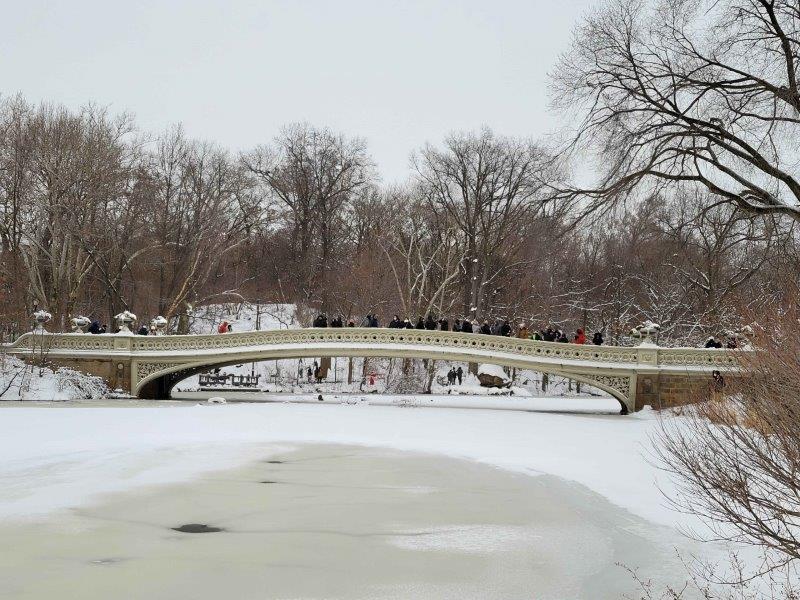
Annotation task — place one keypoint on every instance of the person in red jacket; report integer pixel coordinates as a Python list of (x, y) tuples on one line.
[(223, 327), (580, 337)]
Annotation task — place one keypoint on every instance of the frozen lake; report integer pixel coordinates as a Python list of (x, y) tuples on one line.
[(339, 521)]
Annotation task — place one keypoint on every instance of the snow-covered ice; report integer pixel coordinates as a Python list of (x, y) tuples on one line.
[(55, 457)]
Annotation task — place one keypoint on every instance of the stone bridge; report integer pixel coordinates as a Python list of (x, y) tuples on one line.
[(149, 366)]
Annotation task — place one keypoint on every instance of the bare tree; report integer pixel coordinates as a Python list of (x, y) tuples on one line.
[(204, 209), (424, 260), (487, 186), (701, 91), (315, 173), (736, 458)]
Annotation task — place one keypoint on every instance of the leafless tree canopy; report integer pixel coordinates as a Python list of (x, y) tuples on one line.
[(697, 91)]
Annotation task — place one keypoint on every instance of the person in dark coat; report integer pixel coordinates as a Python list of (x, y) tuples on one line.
[(444, 325), (143, 330), (456, 325), (94, 327), (430, 324), (420, 323), (459, 374), (466, 326), (485, 329), (407, 324), (562, 337), (373, 321), (597, 338), (451, 376), (505, 329), (712, 342)]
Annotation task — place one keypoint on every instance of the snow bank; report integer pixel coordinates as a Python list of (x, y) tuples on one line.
[(19, 381)]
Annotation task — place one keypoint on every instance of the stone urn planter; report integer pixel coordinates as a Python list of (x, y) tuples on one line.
[(41, 317), (80, 324), (158, 325), (124, 321), (645, 331)]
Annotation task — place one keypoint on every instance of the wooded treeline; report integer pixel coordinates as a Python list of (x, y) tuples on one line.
[(97, 217)]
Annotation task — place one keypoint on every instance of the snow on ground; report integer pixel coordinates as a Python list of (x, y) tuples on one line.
[(61, 456), (19, 381)]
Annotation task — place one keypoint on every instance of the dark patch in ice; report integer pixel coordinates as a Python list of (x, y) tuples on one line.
[(268, 481), (197, 528), (274, 462)]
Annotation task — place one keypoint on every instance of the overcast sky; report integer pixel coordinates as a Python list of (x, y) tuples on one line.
[(398, 73)]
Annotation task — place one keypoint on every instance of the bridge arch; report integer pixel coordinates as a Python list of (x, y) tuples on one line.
[(158, 378)]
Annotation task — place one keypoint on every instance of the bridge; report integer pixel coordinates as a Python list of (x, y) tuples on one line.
[(149, 366)]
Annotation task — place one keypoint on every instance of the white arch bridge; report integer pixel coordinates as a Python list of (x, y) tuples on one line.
[(149, 366)]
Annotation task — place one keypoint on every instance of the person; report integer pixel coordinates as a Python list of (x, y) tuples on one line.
[(732, 343), (505, 329), (230, 327), (549, 335), (537, 335), (337, 321), (103, 328), (580, 337), (395, 323), (351, 323), (407, 324), (451, 376), (712, 342), (444, 325), (94, 327), (494, 328), (459, 374), (374, 321), (597, 338), (717, 385), (223, 327), (420, 323), (309, 373), (143, 330), (485, 329), (562, 337), (430, 324), (466, 326), (456, 325), (367, 322), (522, 331)]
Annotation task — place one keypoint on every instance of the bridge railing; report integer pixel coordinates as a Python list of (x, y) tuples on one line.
[(642, 356)]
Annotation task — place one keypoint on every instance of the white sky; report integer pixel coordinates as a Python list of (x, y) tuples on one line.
[(398, 73)]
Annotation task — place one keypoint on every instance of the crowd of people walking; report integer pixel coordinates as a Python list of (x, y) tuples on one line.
[(500, 327)]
